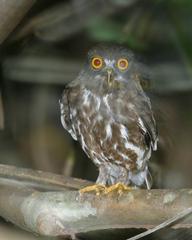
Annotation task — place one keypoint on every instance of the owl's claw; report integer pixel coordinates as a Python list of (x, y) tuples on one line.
[(97, 188), (119, 188)]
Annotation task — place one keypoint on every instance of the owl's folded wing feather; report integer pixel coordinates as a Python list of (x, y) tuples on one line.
[(147, 125), (65, 113)]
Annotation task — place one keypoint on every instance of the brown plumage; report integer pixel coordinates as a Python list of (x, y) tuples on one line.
[(107, 111)]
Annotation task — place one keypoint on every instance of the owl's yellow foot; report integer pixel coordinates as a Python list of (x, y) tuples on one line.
[(97, 188), (119, 188)]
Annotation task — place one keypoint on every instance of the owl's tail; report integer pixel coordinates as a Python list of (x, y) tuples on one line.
[(141, 178), (148, 179)]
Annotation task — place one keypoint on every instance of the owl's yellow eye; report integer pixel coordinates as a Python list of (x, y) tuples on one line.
[(97, 62), (122, 64)]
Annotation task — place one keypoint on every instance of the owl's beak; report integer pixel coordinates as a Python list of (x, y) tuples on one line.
[(110, 77)]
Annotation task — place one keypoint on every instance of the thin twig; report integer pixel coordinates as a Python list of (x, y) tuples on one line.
[(168, 222)]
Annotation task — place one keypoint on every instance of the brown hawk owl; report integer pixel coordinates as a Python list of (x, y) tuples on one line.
[(107, 111)]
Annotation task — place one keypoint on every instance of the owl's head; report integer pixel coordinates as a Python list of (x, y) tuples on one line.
[(110, 64)]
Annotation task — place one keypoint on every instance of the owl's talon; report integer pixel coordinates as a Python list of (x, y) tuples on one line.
[(97, 188), (119, 188)]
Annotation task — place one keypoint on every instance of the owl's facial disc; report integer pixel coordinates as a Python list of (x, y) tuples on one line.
[(115, 69), (105, 66), (110, 68)]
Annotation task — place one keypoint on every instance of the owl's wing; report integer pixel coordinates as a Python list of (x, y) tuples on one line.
[(147, 123), (65, 113)]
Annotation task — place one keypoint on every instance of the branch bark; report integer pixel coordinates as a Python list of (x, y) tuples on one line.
[(65, 212), (41, 180), (11, 12)]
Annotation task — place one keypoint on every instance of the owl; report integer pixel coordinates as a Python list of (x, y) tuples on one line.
[(107, 111)]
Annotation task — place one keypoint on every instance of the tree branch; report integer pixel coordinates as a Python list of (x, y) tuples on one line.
[(11, 12), (65, 19), (39, 179), (54, 70), (65, 212)]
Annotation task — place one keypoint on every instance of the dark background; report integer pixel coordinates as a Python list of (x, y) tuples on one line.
[(47, 50)]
